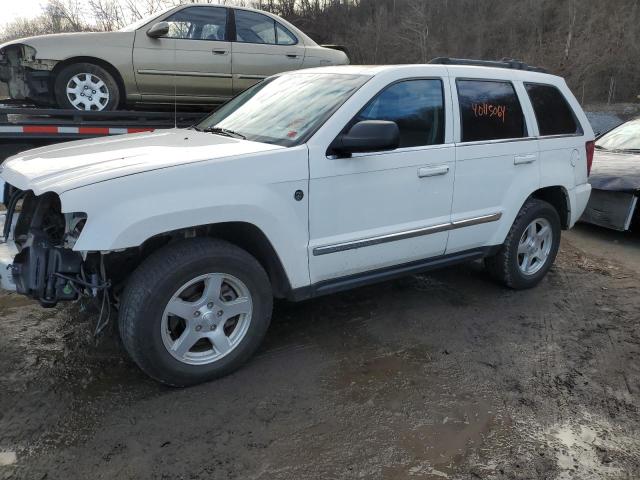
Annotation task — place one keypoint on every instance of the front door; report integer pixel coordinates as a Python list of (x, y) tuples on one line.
[(382, 209), (263, 47), (193, 60)]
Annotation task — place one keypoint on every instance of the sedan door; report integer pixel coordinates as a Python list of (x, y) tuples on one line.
[(382, 209), (262, 48), (193, 60)]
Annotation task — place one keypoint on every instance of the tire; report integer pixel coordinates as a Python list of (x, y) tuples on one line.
[(508, 265), (152, 336), (102, 91)]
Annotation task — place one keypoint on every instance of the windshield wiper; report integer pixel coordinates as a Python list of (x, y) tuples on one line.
[(600, 147), (225, 132)]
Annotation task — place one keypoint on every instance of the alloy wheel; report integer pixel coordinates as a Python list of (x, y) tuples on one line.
[(534, 246), (206, 318)]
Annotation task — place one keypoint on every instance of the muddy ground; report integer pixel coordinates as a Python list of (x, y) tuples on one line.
[(445, 375)]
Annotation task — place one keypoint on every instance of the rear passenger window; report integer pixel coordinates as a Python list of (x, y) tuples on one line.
[(417, 107), (553, 113), (489, 110)]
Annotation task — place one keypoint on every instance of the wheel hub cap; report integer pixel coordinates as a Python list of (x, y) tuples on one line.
[(87, 91)]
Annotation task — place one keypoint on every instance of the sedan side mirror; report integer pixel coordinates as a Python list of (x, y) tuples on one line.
[(158, 30), (367, 136)]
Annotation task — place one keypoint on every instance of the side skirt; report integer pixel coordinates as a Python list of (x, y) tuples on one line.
[(334, 285)]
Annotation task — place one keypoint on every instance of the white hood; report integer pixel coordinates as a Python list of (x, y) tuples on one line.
[(66, 166)]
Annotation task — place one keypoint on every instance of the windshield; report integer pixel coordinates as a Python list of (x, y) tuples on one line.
[(284, 110), (624, 137), (137, 24)]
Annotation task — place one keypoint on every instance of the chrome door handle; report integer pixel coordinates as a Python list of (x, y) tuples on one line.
[(219, 52), (433, 171), (523, 159)]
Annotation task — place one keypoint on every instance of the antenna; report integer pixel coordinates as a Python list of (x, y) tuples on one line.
[(175, 84)]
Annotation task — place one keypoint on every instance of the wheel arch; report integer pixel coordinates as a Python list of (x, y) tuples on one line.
[(97, 61), (558, 197), (245, 235)]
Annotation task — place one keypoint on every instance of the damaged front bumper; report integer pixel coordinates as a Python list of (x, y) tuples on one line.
[(8, 252), (27, 78)]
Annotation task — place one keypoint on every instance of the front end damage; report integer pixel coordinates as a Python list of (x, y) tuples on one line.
[(27, 77), (40, 240)]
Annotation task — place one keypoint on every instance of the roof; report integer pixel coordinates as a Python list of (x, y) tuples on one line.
[(422, 69)]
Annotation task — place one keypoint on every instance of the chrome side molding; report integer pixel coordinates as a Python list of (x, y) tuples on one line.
[(417, 232)]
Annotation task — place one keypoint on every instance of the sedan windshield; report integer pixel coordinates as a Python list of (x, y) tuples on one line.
[(626, 137), (284, 110)]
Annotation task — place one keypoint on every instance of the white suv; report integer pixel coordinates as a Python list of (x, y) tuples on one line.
[(306, 184)]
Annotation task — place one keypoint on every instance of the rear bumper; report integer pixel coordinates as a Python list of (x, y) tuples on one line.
[(579, 199), (8, 251)]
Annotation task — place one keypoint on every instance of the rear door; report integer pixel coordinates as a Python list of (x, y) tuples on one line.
[(192, 60), (262, 48), (497, 160)]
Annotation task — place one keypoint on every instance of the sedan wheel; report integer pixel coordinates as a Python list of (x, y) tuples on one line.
[(87, 91), (86, 87)]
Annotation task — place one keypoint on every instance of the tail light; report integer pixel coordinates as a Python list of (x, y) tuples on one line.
[(590, 148)]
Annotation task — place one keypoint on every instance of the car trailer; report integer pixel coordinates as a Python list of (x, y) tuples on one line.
[(23, 127)]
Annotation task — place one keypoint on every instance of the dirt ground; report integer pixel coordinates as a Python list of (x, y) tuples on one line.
[(436, 376)]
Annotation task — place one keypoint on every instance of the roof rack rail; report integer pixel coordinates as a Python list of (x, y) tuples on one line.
[(503, 63)]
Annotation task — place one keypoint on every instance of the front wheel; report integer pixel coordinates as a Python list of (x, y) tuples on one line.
[(530, 247), (88, 87), (195, 311)]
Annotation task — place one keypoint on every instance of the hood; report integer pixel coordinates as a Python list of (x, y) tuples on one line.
[(66, 166), (46, 46), (616, 171)]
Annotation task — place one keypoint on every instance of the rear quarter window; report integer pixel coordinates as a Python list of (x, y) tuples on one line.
[(553, 113), (489, 110)]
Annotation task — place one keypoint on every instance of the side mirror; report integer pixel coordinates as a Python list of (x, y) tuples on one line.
[(158, 30), (367, 136)]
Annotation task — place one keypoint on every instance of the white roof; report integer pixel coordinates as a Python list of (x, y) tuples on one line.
[(472, 71)]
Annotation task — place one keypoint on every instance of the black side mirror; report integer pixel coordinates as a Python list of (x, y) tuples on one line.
[(367, 136), (158, 30)]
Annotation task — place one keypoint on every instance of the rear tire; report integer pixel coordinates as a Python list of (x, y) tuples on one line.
[(530, 248), (174, 317), (86, 87)]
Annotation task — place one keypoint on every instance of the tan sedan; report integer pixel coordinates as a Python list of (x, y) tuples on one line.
[(195, 54)]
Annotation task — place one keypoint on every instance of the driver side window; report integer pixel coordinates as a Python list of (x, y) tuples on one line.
[(198, 23), (416, 106)]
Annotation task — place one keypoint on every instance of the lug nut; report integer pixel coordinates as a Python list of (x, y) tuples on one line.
[(198, 328), (213, 327), (197, 313), (210, 305), (220, 312)]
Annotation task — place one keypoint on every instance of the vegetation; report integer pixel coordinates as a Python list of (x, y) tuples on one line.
[(593, 44)]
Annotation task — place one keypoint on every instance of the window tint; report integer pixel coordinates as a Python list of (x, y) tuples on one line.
[(553, 113), (284, 36), (489, 110), (253, 27), (198, 23), (417, 108)]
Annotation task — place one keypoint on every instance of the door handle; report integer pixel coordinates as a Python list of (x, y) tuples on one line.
[(219, 52), (433, 171), (292, 55), (524, 159)]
